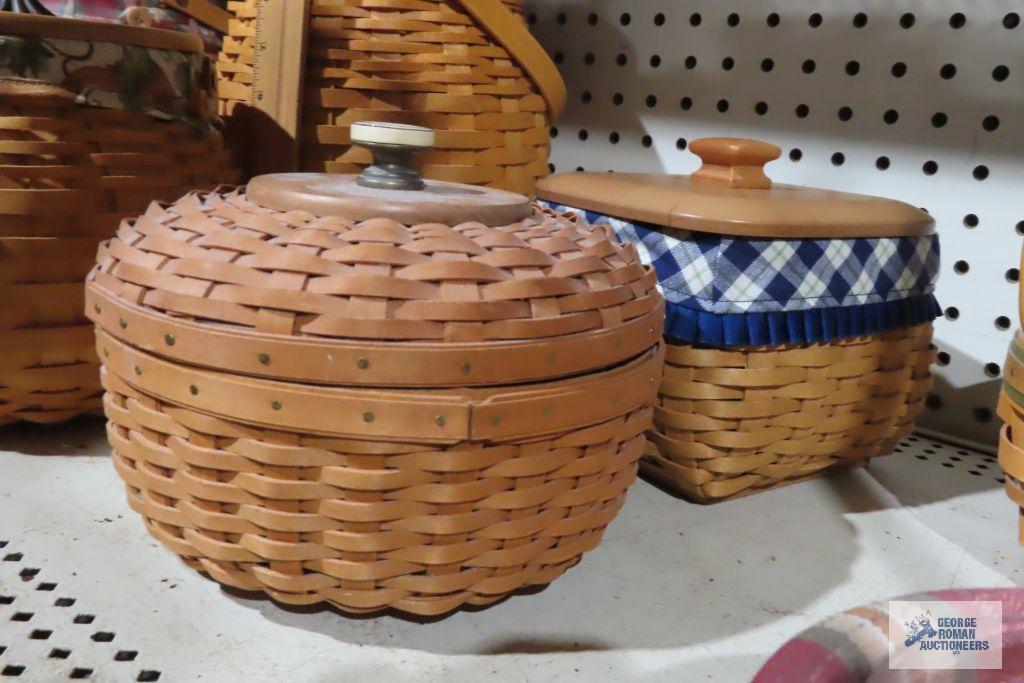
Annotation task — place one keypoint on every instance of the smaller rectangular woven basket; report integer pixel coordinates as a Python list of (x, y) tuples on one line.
[(792, 348)]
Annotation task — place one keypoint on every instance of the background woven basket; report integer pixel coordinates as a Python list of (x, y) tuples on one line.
[(68, 175), (734, 422), (425, 62)]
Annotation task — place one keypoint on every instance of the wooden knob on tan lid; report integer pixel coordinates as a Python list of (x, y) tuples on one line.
[(734, 162)]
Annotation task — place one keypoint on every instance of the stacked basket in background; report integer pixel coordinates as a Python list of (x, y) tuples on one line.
[(69, 172), (467, 68)]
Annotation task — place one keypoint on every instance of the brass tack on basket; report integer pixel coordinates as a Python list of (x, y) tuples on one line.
[(618, 343), (122, 322), (368, 416), (96, 307), (551, 357), (169, 339), (138, 370), (465, 368), (548, 413), (264, 358), (193, 389), (496, 420), (440, 420), (106, 352), (276, 405), (363, 363)]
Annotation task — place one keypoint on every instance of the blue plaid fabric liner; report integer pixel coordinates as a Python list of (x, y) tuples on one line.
[(807, 289)]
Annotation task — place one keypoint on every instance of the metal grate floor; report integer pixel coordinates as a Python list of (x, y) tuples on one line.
[(674, 589)]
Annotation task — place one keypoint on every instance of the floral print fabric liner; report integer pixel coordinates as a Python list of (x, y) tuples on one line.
[(166, 84), (115, 11)]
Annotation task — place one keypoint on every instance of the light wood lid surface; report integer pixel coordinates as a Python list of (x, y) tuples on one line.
[(731, 194), (12, 23)]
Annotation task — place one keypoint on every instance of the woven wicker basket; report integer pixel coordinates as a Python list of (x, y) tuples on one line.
[(1011, 438), (69, 174), (432, 63), (734, 422), (372, 413), (734, 418)]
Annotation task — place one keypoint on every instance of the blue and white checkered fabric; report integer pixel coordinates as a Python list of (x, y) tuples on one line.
[(726, 275)]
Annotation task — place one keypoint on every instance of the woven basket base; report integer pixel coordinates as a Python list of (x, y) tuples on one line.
[(368, 525), (1011, 454), (749, 419)]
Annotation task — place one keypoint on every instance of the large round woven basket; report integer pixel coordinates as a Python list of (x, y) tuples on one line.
[(738, 421), (69, 173), (429, 63), (369, 413)]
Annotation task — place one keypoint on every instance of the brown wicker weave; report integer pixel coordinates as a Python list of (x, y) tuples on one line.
[(245, 357), (68, 175), (735, 422), (423, 62)]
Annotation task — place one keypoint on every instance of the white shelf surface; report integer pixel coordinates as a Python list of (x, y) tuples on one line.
[(674, 592)]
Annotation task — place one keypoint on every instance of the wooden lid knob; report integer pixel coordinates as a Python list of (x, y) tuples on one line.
[(392, 146), (734, 162)]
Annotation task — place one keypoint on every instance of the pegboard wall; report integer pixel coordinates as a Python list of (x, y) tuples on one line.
[(920, 101)]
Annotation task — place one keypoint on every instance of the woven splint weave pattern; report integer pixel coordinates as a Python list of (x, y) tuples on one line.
[(423, 62), (737, 421), (69, 174)]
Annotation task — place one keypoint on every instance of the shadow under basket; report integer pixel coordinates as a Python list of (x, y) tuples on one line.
[(734, 422)]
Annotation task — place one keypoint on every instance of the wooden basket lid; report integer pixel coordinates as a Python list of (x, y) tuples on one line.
[(16, 23), (731, 194), (220, 281)]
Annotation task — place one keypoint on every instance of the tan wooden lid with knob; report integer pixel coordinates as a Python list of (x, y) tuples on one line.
[(731, 194)]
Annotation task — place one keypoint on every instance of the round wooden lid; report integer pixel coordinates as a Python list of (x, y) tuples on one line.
[(305, 294), (731, 194), (16, 23)]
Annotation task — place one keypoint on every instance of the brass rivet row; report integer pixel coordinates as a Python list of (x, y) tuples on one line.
[(465, 368), (264, 358), (440, 420), (122, 322), (276, 405), (169, 339), (363, 363), (368, 416), (193, 389)]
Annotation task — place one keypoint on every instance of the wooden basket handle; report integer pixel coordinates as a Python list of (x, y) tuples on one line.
[(203, 11), (513, 35), (734, 162)]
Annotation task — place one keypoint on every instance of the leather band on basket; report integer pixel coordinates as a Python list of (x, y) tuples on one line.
[(446, 416), (368, 363), (1011, 447)]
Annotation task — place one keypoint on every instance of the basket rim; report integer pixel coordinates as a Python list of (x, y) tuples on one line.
[(98, 31)]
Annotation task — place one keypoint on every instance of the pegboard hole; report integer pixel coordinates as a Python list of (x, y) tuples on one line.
[(625, 19), (148, 676), (942, 358), (899, 70), (12, 670), (46, 586), (621, 59), (685, 103), (103, 636), (651, 101), (733, 20), (722, 106), (614, 138), (561, 18), (983, 414), (852, 67), (908, 20), (659, 19), (933, 402), (13, 557), (939, 119), (28, 573), (695, 19), (883, 163), (808, 66), (583, 135), (1012, 275), (655, 61), (773, 19), (592, 18), (930, 167), (761, 108), (1002, 323), (992, 369), (980, 172), (891, 116), (690, 62), (795, 154), (646, 141), (40, 634), (838, 159), (767, 64), (125, 656), (990, 123), (971, 221), (79, 673), (947, 71), (6, 599), (961, 267), (64, 602), (958, 20), (618, 99), (845, 113), (586, 96), (814, 20), (84, 619), (860, 20), (952, 313), (1011, 21), (802, 110), (728, 63), (59, 653), (680, 143), (22, 616), (1019, 227), (1001, 73)]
